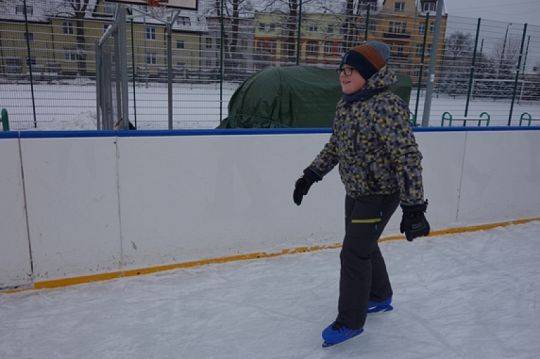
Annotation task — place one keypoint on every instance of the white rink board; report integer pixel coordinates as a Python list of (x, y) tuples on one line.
[(14, 255), (186, 198), (72, 205), (501, 176), (442, 160)]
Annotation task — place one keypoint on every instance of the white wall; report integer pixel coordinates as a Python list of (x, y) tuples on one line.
[(14, 255), (183, 198)]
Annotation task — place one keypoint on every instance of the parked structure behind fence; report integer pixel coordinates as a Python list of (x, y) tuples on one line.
[(480, 65)]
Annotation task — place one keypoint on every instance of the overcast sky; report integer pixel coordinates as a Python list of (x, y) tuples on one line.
[(520, 11)]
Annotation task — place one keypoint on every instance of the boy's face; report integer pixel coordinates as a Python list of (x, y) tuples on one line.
[(351, 81)]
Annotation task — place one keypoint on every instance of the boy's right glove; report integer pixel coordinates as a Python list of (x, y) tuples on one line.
[(414, 223), (302, 185)]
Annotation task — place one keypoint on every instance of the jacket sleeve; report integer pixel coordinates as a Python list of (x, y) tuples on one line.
[(393, 128), (327, 159)]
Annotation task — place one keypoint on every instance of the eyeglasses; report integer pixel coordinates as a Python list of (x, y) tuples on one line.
[(346, 70)]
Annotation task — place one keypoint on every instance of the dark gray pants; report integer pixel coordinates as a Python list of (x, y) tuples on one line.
[(363, 272)]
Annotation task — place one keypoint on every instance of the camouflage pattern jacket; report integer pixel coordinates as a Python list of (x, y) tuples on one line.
[(373, 143)]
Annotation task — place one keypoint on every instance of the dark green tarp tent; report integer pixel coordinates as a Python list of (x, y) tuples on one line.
[(292, 96)]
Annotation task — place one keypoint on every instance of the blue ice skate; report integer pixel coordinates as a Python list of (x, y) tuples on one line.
[(382, 306), (337, 333)]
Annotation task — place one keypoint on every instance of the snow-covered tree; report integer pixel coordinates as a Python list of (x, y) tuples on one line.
[(458, 53), (507, 54)]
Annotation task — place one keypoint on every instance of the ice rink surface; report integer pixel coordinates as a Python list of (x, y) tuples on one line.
[(472, 295)]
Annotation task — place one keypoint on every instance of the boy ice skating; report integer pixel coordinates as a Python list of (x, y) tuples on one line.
[(380, 167)]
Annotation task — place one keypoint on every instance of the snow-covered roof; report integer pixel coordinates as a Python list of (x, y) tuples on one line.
[(187, 20), (38, 10)]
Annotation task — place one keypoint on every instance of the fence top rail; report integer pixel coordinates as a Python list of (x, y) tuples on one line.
[(232, 132)]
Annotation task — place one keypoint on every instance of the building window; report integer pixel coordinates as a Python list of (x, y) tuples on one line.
[(67, 26), (70, 55), (271, 27), (422, 28), (399, 6), (262, 26), (32, 61), (312, 27), (369, 4), (328, 47), (243, 44), (208, 42), (29, 36), (208, 62), (184, 21), (397, 27), (179, 44), (150, 33), (330, 29), (312, 48), (19, 9), (109, 8), (429, 6), (151, 59), (268, 47)]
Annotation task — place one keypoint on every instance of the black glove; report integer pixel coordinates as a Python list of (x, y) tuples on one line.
[(414, 223), (302, 185)]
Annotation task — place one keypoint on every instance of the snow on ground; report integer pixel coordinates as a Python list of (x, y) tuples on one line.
[(472, 295), (72, 106)]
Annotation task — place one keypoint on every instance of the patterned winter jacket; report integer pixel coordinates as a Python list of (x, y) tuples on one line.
[(373, 143)]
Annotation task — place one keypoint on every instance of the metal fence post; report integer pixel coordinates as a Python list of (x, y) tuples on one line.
[(432, 60), (5, 120), (121, 47), (299, 33), (133, 73), (29, 62), (367, 22), (221, 59), (169, 77), (98, 86), (471, 76), (517, 74), (422, 59)]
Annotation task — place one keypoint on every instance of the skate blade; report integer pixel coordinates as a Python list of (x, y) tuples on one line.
[(381, 310)]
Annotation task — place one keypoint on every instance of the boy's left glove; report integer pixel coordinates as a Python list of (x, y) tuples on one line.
[(302, 185), (414, 223)]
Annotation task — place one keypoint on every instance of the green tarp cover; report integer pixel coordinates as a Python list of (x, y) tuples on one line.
[(292, 96)]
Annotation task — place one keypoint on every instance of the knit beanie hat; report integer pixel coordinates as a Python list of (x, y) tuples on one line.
[(367, 58)]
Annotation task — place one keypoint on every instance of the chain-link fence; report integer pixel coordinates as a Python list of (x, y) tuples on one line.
[(48, 62)]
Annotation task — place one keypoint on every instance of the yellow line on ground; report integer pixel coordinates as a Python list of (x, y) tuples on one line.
[(64, 282)]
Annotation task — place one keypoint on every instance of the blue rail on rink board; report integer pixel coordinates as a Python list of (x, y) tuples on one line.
[(231, 132)]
